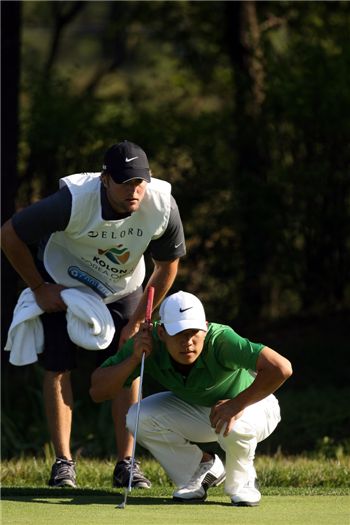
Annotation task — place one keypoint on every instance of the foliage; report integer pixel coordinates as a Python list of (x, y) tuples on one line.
[(250, 124), (264, 197), (302, 428)]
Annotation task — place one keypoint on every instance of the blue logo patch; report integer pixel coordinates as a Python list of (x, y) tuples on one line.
[(83, 277)]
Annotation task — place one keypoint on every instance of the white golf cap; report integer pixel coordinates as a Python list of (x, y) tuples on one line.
[(182, 311)]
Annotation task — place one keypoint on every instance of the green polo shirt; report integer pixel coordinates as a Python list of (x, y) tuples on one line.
[(222, 371)]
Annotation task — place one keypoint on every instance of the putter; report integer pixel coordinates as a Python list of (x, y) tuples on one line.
[(149, 307)]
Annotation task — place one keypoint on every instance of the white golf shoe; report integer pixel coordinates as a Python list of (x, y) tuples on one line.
[(248, 496), (209, 474)]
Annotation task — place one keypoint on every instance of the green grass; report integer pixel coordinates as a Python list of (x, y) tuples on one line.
[(273, 471), (295, 490), (144, 509)]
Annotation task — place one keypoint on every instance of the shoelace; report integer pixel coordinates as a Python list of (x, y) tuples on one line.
[(64, 468), (128, 465)]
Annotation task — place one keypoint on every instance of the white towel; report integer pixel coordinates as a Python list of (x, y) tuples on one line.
[(89, 324), (26, 335)]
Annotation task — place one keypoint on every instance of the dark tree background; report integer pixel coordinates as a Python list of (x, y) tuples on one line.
[(244, 108)]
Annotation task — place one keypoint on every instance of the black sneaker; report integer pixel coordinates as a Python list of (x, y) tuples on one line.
[(63, 473), (121, 475)]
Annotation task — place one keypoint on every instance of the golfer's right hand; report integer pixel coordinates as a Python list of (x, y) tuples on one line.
[(143, 341), (48, 297)]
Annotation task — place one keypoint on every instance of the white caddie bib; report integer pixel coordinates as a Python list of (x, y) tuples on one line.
[(106, 256)]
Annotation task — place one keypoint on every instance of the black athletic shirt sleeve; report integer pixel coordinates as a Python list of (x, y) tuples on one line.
[(44, 217), (171, 245)]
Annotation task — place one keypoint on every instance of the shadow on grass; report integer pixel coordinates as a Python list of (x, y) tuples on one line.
[(69, 496)]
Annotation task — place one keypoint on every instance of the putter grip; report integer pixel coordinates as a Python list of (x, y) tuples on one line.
[(149, 307)]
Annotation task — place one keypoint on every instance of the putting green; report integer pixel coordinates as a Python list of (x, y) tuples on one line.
[(101, 509)]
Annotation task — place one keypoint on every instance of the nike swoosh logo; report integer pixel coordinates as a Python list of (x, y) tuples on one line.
[(185, 309), (177, 245), (129, 160)]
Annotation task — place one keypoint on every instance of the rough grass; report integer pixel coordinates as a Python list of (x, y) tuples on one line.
[(274, 472)]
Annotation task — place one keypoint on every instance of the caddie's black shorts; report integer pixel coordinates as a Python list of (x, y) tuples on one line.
[(61, 354)]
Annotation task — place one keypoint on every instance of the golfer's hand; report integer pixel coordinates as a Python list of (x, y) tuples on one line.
[(223, 415), (143, 341), (128, 332), (48, 297)]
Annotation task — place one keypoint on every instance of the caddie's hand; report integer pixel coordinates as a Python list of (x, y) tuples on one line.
[(223, 415), (48, 297), (143, 341)]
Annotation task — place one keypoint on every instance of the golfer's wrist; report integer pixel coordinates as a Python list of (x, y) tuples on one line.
[(135, 360)]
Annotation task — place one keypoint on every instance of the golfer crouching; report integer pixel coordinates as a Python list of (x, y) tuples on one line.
[(219, 388)]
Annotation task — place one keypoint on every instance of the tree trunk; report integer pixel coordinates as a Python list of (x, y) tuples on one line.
[(10, 57), (243, 43)]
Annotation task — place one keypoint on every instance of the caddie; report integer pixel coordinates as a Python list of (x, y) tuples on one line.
[(94, 232), (218, 388)]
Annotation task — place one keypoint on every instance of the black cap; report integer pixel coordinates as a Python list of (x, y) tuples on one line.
[(126, 161)]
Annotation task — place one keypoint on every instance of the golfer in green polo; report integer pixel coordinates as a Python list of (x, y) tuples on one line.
[(218, 388)]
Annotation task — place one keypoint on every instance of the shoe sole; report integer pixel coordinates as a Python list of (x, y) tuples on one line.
[(136, 486), (65, 483), (245, 504), (193, 500)]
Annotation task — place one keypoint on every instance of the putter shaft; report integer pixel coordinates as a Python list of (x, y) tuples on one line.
[(128, 489), (148, 320)]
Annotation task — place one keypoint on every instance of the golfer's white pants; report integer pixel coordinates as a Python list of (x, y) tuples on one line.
[(169, 427)]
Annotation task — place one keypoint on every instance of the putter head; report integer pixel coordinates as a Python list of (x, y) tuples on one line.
[(122, 505)]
